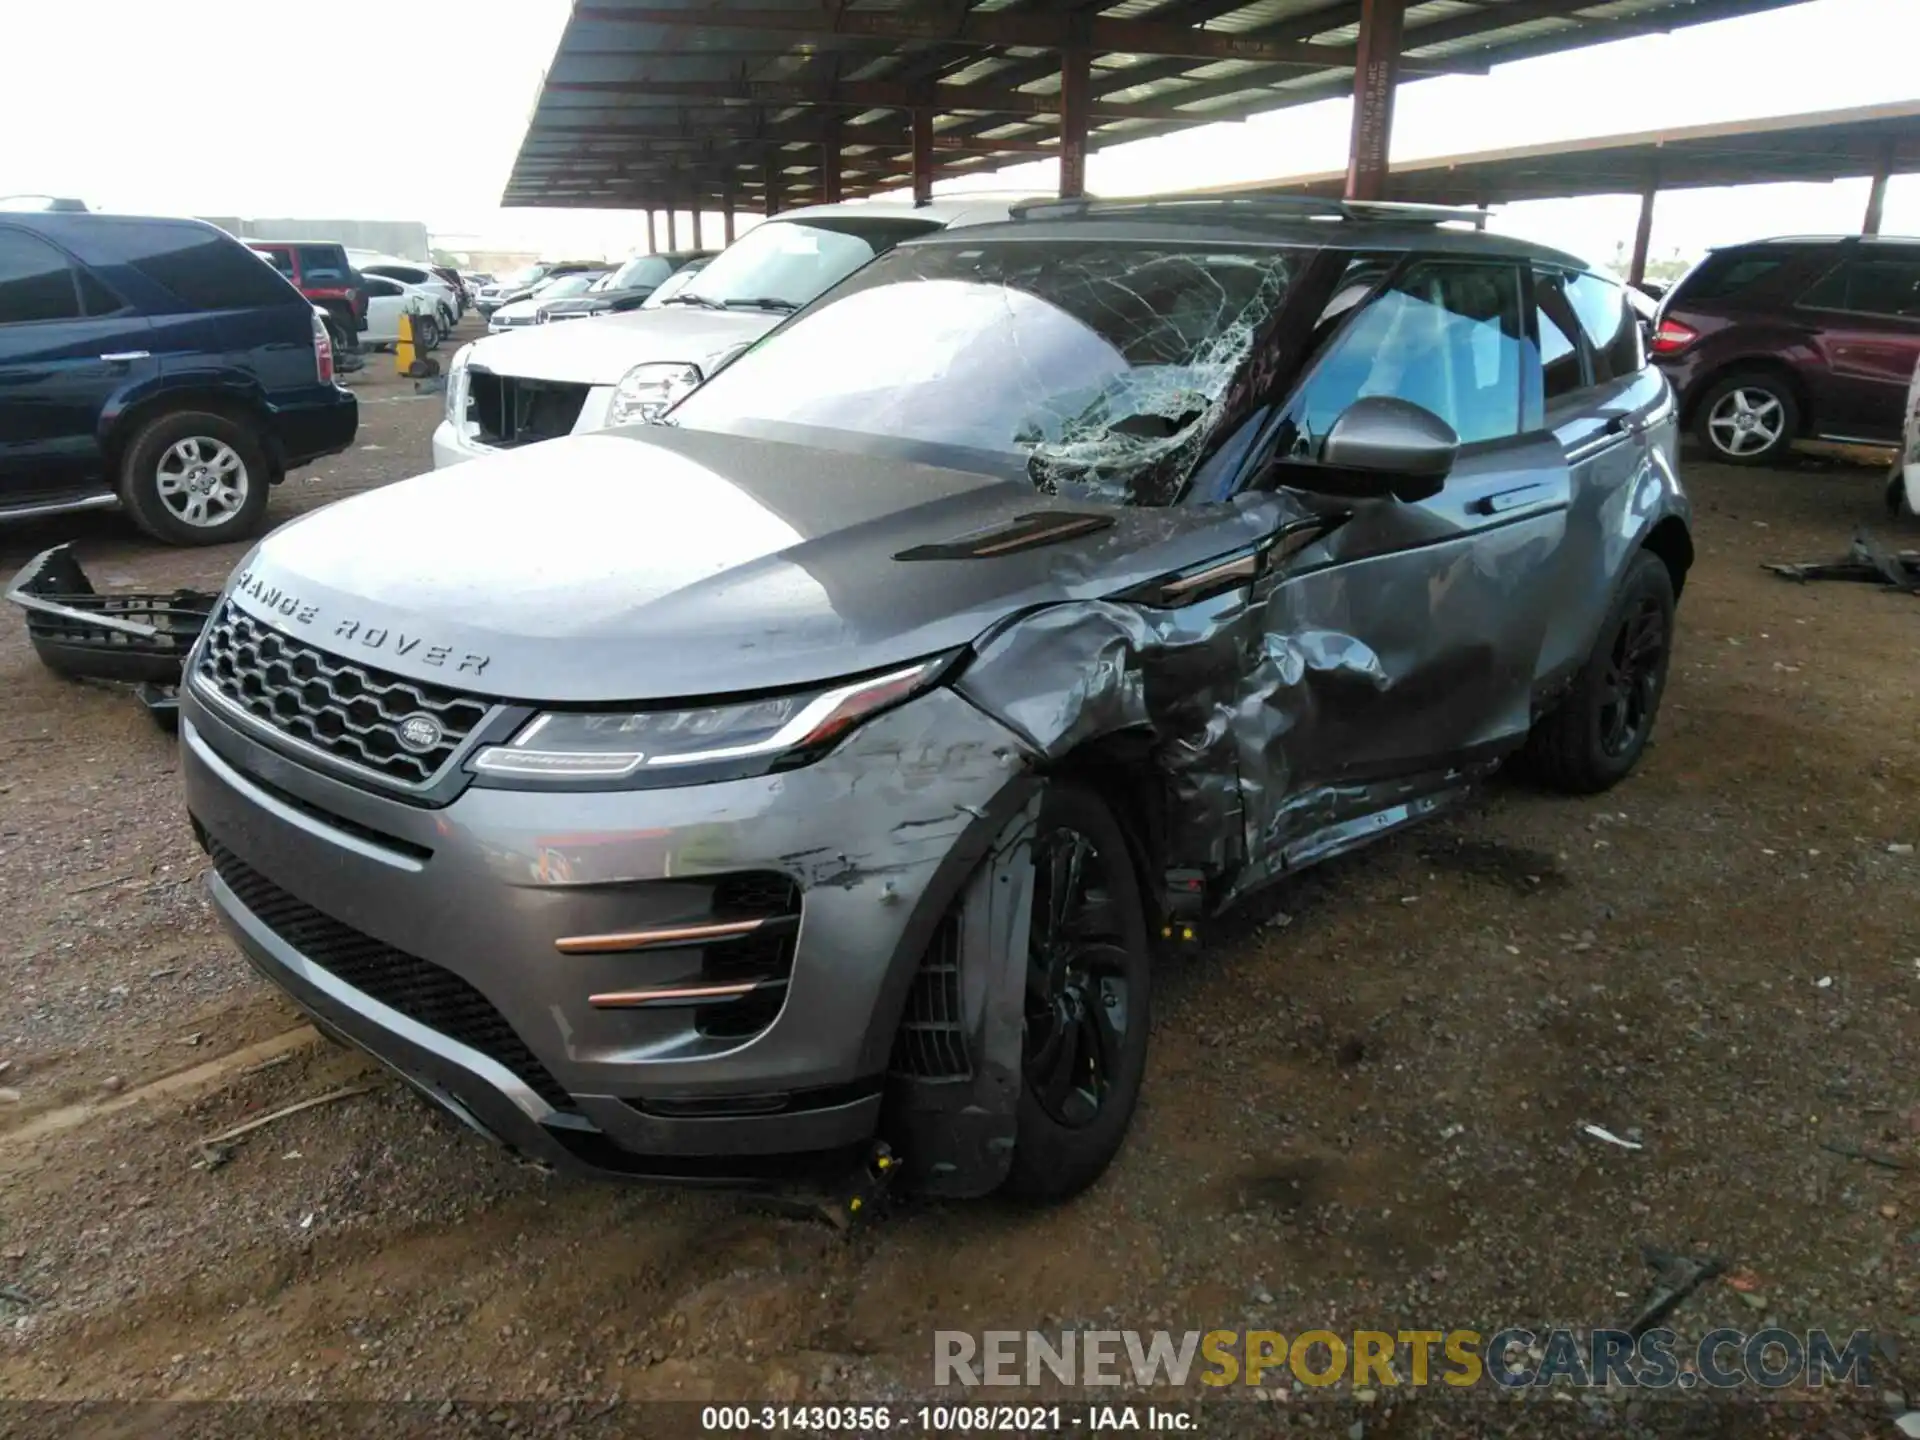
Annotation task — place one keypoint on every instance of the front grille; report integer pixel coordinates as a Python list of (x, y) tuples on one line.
[(349, 711), (932, 1041), (514, 410), (417, 988)]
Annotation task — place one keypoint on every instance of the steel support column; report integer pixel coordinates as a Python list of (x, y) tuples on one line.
[(830, 163), (697, 243), (1642, 235), (653, 245), (673, 235), (923, 157), (770, 178), (1075, 76), (726, 214), (1375, 77), (1877, 196)]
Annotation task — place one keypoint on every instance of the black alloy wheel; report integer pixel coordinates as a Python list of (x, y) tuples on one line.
[(1636, 664), (1087, 998), (1595, 736), (1076, 1003)]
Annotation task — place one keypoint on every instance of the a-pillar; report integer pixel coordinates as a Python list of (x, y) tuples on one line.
[(923, 157), (1075, 78), (1376, 75)]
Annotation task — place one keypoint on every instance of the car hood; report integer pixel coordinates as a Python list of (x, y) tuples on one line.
[(599, 300), (652, 563), (599, 354)]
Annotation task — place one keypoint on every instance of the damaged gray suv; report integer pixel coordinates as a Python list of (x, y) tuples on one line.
[(818, 769)]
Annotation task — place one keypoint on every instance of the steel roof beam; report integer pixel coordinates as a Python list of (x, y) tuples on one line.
[(856, 95), (1037, 30), (882, 137)]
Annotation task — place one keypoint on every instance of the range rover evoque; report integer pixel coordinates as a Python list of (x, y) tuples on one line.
[(700, 799)]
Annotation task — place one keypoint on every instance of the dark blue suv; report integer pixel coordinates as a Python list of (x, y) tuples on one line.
[(159, 365)]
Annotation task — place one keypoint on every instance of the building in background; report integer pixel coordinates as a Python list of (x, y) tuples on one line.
[(402, 239)]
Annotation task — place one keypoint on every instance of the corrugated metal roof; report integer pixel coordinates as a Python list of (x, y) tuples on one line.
[(691, 99)]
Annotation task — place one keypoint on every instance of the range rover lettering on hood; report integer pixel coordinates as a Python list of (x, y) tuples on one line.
[(346, 635)]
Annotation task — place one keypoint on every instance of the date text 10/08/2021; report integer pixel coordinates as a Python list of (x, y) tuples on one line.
[(960, 1419)]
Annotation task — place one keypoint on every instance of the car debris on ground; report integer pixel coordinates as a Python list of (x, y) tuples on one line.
[(1867, 561)]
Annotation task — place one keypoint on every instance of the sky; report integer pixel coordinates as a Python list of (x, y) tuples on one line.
[(221, 107)]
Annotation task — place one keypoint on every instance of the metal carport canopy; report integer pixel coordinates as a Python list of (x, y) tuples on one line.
[(770, 103), (1869, 140)]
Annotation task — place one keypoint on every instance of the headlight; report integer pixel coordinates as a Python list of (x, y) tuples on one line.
[(457, 385), (692, 746), (647, 392)]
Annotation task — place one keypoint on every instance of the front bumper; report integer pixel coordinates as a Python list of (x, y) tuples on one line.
[(879, 838)]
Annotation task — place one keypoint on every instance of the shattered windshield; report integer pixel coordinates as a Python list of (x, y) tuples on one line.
[(1100, 367)]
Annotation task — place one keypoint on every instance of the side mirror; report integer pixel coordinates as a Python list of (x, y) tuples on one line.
[(1381, 447)]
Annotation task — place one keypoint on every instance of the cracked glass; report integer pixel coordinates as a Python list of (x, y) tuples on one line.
[(1098, 369)]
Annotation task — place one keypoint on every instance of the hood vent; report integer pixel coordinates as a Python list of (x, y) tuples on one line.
[(1024, 532)]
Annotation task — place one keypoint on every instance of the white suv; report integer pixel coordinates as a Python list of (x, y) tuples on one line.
[(545, 381)]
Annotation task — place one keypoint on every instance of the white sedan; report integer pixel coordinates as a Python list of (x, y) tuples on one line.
[(388, 300), (446, 299)]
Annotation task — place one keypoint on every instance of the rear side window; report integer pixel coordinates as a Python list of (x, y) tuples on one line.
[(1612, 331), (1445, 336), (281, 260), (203, 268), (323, 265), (1877, 286), (1560, 369), (378, 285), (36, 282), (1726, 273)]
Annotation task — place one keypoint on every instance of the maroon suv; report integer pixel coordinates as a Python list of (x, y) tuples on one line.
[(1809, 337)]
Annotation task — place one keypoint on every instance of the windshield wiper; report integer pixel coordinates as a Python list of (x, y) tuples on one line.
[(764, 302), (683, 298)]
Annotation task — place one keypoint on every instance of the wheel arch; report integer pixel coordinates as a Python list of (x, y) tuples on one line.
[(214, 400), (1673, 543), (1119, 767)]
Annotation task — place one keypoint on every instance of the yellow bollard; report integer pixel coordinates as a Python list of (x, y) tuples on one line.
[(405, 350)]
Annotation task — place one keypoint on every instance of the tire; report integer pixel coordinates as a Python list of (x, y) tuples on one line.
[(177, 458), (1593, 739), (1065, 1138), (1766, 436)]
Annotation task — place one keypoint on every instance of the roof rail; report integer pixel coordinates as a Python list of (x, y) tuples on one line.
[(1287, 206)]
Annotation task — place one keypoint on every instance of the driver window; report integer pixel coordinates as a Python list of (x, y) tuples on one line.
[(1444, 336)]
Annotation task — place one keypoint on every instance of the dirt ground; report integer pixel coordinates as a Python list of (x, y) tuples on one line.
[(1362, 1107)]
